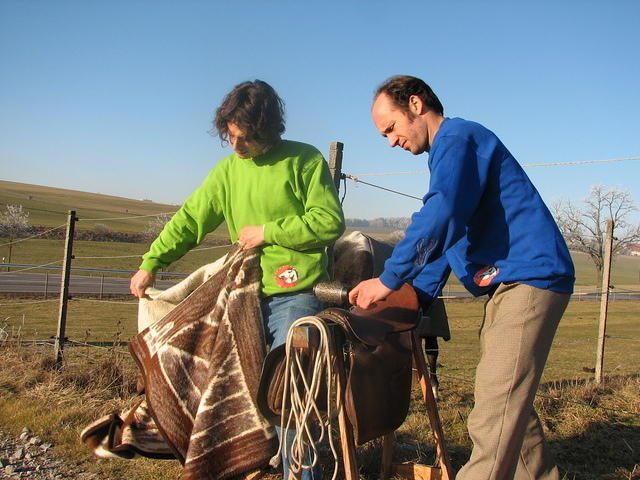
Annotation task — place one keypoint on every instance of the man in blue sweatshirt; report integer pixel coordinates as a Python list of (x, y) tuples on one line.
[(482, 218)]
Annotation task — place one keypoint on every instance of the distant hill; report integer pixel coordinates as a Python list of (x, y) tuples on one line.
[(49, 206)]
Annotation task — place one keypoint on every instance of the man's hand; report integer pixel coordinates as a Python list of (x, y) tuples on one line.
[(139, 283), (251, 236), (368, 292)]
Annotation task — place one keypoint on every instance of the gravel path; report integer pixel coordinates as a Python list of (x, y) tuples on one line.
[(27, 456)]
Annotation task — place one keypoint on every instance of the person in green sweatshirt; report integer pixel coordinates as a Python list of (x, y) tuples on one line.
[(274, 194)]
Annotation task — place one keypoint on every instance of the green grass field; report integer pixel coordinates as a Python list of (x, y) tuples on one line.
[(593, 430), (41, 201)]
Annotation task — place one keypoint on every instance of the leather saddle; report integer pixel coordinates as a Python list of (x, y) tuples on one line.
[(377, 351)]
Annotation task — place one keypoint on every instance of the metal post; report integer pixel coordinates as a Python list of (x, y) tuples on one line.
[(64, 288), (604, 300), (101, 285), (46, 284)]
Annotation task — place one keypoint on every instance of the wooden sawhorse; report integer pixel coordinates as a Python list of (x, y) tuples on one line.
[(441, 470)]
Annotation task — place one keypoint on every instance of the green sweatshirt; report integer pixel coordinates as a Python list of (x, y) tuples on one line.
[(289, 190)]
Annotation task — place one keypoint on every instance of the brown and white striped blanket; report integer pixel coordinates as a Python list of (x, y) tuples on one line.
[(201, 365)]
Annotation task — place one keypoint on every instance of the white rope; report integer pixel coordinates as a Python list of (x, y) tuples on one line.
[(299, 397)]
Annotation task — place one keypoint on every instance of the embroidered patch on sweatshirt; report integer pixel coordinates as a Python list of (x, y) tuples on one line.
[(423, 251), (287, 276), (484, 276)]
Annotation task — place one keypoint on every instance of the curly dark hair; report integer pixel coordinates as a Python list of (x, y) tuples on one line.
[(400, 87), (256, 108)]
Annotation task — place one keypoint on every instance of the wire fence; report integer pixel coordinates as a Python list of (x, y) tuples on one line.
[(6, 335)]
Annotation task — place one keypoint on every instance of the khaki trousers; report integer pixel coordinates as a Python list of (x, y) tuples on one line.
[(508, 442)]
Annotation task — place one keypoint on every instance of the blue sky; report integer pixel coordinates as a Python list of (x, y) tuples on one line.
[(117, 97)]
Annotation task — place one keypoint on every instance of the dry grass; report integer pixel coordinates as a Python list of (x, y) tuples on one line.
[(57, 405), (593, 430)]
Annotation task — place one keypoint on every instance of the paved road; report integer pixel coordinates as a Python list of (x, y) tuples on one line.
[(23, 282), (78, 284)]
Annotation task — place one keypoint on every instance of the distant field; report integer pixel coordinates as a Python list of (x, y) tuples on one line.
[(590, 428), (48, 206), (625, 270)]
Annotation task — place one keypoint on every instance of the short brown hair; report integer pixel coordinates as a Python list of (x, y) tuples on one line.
[(400, 87), (256, 108)]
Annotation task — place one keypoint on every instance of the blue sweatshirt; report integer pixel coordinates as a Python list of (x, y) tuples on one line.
[(482, 218)]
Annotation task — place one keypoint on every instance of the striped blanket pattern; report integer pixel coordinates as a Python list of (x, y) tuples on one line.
[(201, 364)]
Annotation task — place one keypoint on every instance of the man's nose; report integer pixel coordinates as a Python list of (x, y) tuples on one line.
[(393, 140)]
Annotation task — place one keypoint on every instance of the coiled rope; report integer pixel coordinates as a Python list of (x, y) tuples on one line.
[(300, 411)]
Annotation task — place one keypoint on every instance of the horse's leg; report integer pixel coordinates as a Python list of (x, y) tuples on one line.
[(431, 351)]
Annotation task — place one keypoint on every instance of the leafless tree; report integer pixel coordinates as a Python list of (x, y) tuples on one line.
[(583, 227), (14, 223), (156, 224)]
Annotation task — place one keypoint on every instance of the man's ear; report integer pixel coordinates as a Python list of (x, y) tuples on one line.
[(416, 105)]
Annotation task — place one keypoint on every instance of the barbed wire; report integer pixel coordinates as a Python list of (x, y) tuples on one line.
[(29, 303), (550, 164), (439, 374), (626, 289), (633, 339), (77, 299), (31, 268), (226, 245), (106, 257), (33, 236), (85, 344), (130, 217), (581, 162), (94, 346)]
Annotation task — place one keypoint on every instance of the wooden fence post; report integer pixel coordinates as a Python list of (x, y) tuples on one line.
[(604, 300), (335, 162), (64, 288), (335, 167)]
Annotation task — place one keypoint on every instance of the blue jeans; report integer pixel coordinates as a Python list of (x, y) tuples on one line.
[(278, 313)]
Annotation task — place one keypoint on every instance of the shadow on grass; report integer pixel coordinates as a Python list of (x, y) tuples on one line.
[(605, 450)]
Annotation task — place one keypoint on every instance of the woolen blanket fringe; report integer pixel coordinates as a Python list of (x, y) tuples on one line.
[(200, 351)]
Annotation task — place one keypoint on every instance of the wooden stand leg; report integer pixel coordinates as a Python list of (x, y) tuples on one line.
[(432, 409), (386, 469), (347, 441)]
